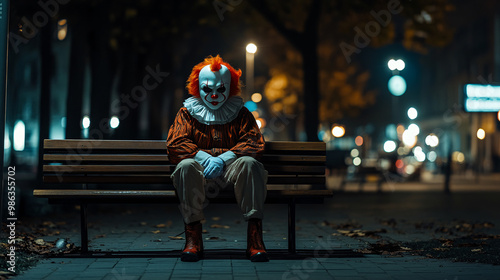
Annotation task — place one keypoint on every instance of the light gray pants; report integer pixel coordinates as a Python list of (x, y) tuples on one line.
[(246, 174)]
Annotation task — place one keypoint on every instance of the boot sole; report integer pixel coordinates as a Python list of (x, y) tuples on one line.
[(190, 257), (259, 257)]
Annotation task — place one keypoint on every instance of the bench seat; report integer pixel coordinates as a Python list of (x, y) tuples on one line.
[(83, 171)]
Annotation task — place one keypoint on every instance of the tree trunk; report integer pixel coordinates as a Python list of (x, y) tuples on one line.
[(309, 51), (128, 112), (101, 74), (76, 82), (311, 91), (47, 65)]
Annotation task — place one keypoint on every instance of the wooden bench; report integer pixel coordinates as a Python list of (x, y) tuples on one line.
[(137, 171)]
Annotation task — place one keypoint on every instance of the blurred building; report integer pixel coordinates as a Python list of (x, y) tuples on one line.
[(472, 58)]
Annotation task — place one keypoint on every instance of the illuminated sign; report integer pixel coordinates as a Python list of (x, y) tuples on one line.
[(482, 98)]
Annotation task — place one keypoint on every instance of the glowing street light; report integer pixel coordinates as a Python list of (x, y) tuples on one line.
[(338, 131), (251, 50), (396, 64), (400, 65), (392, 64)]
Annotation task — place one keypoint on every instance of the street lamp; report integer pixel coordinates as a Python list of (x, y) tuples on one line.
[(396, 64), (251, 50)]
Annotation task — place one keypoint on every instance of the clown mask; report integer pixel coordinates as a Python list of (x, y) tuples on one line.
[(214, 86)]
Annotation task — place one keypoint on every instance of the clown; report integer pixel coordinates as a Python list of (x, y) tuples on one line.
[(214, 138)]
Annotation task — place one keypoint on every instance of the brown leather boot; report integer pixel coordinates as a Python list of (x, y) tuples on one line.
[(193, 250), (256, 251)]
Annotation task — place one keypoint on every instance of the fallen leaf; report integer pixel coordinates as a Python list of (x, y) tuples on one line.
[(176, 237), (160, 225), (40, 242), (143, 223), (219, 226), (215, 218), (100, 236), (156, 231)]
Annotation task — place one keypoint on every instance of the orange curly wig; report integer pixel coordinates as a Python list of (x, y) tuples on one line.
[(193, 82)]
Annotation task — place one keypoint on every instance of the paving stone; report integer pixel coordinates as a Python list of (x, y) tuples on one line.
[(154, 276)]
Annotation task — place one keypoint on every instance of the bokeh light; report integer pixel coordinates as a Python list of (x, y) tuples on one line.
[(356, 161), (400, 65), (409, 138), (114, 122), (86, 122), (397, 85), (432, 140), (458, 156), (251, 106), (19, 136), (432, 156), (389, 146), (413, 128), (412, 113), (338, 131), (392, 64), (358, 140), (256, 97), (481, 134), (354, 152)]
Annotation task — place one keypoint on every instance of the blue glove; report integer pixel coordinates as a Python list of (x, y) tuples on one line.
[(214, 167)]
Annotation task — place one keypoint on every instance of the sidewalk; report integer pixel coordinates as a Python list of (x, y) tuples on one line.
[(348, 221)]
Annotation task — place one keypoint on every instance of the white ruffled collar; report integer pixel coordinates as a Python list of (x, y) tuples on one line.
[(225, 114)]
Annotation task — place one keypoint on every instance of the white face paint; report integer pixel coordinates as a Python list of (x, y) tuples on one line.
[(214, 86)]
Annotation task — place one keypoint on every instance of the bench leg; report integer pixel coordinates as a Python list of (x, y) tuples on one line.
[(291, 226), (83, 228)]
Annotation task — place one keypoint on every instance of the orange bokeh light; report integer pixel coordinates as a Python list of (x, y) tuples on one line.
[(358, 140)]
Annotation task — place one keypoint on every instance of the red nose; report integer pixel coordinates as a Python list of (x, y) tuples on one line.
[(214, 96)]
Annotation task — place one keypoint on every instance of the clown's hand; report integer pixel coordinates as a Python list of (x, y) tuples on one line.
[(214, 168)]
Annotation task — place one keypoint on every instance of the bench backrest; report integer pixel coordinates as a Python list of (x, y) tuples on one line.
[(146, 162)]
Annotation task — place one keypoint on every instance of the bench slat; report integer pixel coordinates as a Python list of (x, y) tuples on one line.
[(165, 179), (73, 158), (85, 145), (83, 158), (82, 194), (108, 168), (104, 169)]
